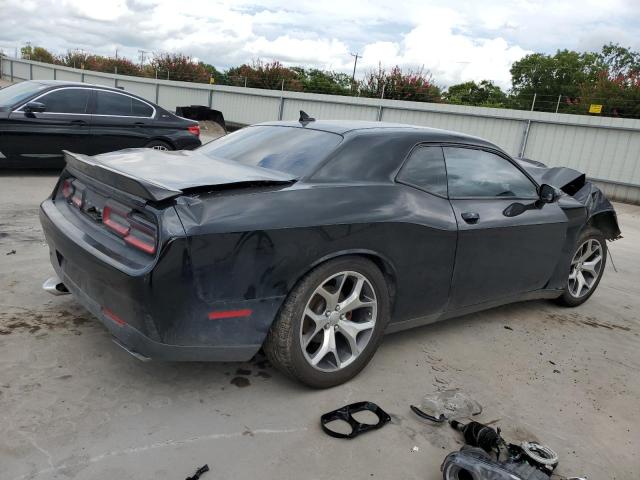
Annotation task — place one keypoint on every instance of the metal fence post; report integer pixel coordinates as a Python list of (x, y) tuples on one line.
[(55, 73), (558, 104), (157, 93), (11, 69), (211, 97), (30, 72), (533, 104), (281, 106), (525, 137), (380, 106)]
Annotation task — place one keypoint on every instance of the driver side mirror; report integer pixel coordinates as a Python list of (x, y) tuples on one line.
[(548, 193), (34, 107)]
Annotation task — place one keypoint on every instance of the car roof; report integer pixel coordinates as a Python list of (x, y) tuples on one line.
[(63, 83), (346, 127)]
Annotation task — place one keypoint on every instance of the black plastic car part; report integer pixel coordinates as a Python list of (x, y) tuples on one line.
[(199, 472), (441, 419), (346, 414)]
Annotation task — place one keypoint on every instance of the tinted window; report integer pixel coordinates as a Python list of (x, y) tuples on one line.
[(14, 94), (425, 169), (108, 103), (476, 173), (288, 149), (69, 100)]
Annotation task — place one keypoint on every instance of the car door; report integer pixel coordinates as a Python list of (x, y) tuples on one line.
[(120, 121), (63, 125), (432, 253), (498, 256)]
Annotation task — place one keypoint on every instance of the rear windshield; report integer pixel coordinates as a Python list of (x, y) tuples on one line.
[(297, 151), (14, 94)]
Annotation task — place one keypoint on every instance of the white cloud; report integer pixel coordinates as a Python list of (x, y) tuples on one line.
[(99, 10), (457, 40)]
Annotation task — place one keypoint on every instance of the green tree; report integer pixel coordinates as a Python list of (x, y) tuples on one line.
[(268, 75), (397, 84), (219, 77), (37, 54), (176, 66), (617, 60), (551, 76), (485, 94), (321, 81)]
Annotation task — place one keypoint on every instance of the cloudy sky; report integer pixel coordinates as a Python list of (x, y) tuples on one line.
[(457, 40)]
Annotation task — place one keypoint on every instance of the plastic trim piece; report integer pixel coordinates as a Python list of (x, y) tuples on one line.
[(346, 414)]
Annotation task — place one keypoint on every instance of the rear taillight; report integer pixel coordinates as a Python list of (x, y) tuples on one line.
[(115, 220), (67, 188), (194, 129), (142, 236), (134, 230), (73, 191)]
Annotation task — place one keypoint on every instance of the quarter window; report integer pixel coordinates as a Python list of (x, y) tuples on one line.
[(476, 173), (108, 103), (69, 100), (425, 169)]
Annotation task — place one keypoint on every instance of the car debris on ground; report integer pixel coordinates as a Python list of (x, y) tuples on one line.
[(345, 414), (199, 472)]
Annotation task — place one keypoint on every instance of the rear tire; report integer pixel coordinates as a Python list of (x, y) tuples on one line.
[(159, 145), (342, 305), (586, 268)]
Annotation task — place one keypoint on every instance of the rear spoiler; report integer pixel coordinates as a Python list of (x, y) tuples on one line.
[(117, 179)]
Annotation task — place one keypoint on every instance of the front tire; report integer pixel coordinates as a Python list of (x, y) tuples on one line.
[(331, 323), (159, 145), (586, 269)]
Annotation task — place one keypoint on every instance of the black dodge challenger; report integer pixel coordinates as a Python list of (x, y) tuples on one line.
[(312, 239), (40, 119)]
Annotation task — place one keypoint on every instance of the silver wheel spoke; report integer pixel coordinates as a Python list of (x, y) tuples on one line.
[(350, 330), (591, 265), (353, 301), (328, 347), (318, 323), (581, 283)]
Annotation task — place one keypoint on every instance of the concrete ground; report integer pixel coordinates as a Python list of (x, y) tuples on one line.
[(74, 405)]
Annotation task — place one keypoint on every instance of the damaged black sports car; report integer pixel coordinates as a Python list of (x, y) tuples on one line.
[(312, 239)]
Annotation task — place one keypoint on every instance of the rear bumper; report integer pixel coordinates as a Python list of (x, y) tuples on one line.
[(154, 314), (140, 345)]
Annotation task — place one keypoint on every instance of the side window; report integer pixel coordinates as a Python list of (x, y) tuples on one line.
[(69, 100), (425, 169), (140, 109), (476, 173), (108, 103)]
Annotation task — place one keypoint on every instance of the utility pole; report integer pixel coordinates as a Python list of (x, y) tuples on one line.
[(355, 63), (142, 54)]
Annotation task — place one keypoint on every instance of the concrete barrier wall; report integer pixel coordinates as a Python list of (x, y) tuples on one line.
[(607, 149)]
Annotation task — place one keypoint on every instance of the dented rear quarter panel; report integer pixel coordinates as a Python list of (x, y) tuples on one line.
[(257, 246)]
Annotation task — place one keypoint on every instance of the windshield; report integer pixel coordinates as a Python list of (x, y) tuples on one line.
[(297, 151), (15, 93)]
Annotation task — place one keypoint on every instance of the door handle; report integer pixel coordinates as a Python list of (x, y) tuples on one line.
[(78, 123), (140, 124), (470, 217)]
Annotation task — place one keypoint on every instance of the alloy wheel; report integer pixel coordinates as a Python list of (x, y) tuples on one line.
[(586, 266), (338, 321)]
